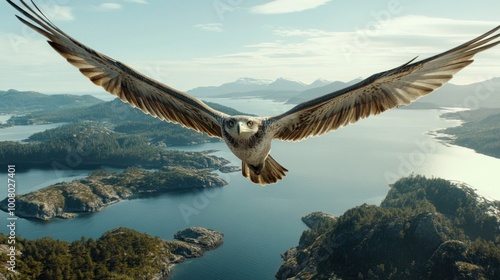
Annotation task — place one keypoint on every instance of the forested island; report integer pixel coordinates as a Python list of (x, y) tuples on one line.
[(102, 188), (423, 229), (122, 254)]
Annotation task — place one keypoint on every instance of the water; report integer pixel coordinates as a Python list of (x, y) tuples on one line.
[(331, 173), (22, 132)]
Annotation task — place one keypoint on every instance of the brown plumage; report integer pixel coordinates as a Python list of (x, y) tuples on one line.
[(249, 138)]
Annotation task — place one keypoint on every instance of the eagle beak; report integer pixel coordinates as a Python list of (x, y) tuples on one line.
[(242, 128)]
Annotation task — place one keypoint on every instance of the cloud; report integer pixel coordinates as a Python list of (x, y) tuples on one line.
[(213, 27), (56, 12), (300, 54), (137, 1), (285, 32), (306, 54), (287, 6), (109, 6)]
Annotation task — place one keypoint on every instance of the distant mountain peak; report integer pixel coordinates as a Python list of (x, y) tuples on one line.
[(288, 80), (319, 83), (321, 80), (252, 81), (287, 84)]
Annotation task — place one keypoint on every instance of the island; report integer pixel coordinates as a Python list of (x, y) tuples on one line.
[(102, 188), (423, 229), (120, 253)]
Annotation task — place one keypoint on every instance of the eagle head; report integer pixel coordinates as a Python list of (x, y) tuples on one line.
[(242, 127)]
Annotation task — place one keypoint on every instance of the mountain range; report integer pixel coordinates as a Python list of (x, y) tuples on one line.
[(484, 94), (255, 87), (476, 95)]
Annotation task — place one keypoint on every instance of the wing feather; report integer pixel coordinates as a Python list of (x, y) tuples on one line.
[(130, 86), (378, 93)]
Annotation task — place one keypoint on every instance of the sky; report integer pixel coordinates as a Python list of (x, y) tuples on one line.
[(191, 43)]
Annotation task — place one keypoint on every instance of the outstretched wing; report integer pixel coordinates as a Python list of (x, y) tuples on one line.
[(380, 92), (150, 96)]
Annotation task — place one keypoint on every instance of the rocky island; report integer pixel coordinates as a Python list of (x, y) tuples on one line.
[(120, 253), (102, 188), (423, 229), (206, 239)]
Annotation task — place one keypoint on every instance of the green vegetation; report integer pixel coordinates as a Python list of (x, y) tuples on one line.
[(481, 130), (460, 205), (118, 254), (424, 229), (91, 143)]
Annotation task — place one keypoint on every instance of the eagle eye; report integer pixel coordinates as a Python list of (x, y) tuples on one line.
[(250, 123), (230, 123)]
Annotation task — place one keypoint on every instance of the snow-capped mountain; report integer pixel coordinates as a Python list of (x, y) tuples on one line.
[(252, 81)]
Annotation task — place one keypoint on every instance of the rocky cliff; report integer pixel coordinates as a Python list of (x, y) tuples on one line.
[(424, 229)]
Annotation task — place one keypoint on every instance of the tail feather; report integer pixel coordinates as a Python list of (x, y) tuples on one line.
[(271, 173)]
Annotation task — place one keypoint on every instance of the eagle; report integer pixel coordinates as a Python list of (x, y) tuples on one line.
[(250, 137)]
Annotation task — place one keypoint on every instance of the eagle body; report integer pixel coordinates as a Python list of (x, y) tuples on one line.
[(249, 137)]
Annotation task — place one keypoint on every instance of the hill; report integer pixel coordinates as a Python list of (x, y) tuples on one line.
[(423, 229), (22, 102), (480, 130), (477, 95)]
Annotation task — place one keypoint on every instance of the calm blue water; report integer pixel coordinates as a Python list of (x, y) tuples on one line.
[(331, 173)]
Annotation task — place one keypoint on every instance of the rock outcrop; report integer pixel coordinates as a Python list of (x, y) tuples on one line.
[(315, 218), (207, 239)]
